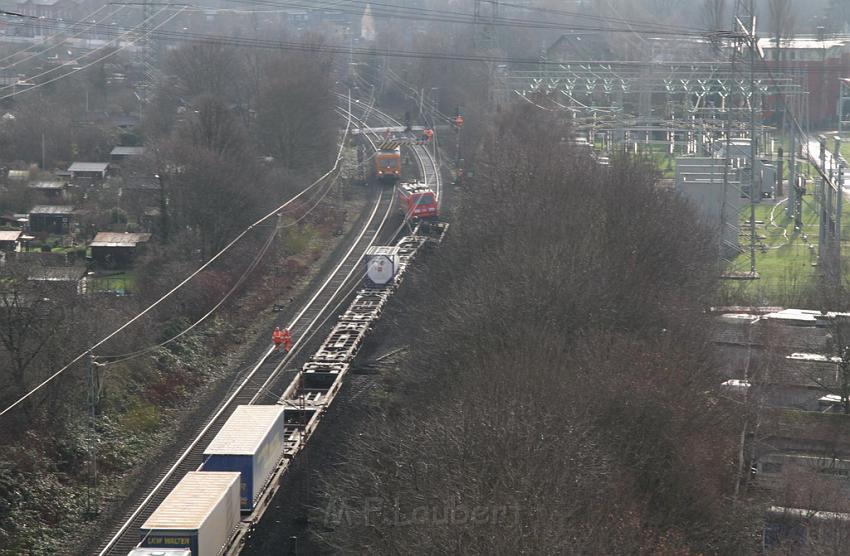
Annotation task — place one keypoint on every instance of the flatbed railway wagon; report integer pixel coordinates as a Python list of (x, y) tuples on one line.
[(417, 200)]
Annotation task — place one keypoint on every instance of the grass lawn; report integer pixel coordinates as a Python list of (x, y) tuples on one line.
[(783, 257), (665, 163), (123, 282)]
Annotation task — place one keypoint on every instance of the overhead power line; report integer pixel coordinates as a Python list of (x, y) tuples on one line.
[(126, 34), (185, 281), (268, 44), (423, 14), (85, 21)]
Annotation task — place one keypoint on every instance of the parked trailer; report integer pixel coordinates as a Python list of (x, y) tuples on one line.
[(250, 442), (200, 514)]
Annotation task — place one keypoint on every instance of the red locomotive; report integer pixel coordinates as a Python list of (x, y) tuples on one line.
[(417, 200)]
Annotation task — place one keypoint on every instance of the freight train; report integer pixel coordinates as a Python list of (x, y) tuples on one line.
[(204, 509), (210, 512)]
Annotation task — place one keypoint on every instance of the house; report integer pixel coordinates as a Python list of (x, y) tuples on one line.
[(818, 62), (41, 12), (785, 364), (91, 170), (9, 240), (120, 153), (115, 249), (50, 189), (54, 219)]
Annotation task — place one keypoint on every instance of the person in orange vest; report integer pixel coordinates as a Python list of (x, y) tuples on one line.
[(287, 340), (277, 338)]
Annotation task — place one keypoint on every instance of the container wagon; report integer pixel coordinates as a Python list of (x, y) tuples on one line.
[(251, 442), (200, 514)]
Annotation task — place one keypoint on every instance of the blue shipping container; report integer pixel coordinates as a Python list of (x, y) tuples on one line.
[(251, 443)]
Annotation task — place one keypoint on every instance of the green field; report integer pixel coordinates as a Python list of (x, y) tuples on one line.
[(123, 283), (785, 256)]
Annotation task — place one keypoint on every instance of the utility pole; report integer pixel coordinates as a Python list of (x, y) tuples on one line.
[(753, 139), (484, 37), (164, 221), (792, 177), (93, 501), (838, 162)]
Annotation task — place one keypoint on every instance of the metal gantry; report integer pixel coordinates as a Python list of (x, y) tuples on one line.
[(711, 109)]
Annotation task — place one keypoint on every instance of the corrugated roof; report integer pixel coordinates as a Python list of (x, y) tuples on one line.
[(799, 43), (10, 236), (58, 274), (127, 151), (88, 167), (52, 209), (118, 239), (195, 496), (245, 430)]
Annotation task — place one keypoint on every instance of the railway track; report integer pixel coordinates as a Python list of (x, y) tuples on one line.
[(262, 383), (429, 167), (124, 535)]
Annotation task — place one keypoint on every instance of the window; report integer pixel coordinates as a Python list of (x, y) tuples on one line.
[(425, 200), (771, 467)]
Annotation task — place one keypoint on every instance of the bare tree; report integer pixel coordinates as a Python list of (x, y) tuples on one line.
[(781, 19), (569, 323), (216, 197), (211, 125), (714, 14), (211, 69), (295, 121)]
